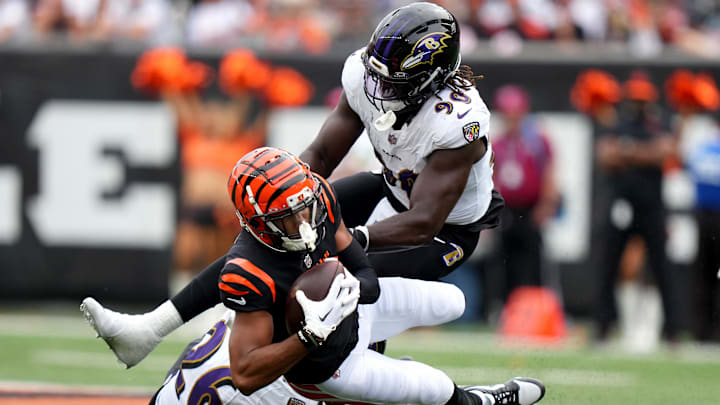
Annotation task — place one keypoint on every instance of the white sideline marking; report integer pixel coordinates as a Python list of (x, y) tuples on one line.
[(453, 342), (74, 358)]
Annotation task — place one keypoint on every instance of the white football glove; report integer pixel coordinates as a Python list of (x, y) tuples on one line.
[(322, 317)]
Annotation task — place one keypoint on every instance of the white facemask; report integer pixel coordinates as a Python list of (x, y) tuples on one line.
[(308, 237)]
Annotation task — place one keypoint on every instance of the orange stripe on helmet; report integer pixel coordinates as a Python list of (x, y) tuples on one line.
[(255, 271), (277, 170), (238, 279), (327, 192), (327, 186), (328, 207)]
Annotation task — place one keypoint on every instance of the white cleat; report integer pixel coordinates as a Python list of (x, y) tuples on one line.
[(126, 335), (517, 391)]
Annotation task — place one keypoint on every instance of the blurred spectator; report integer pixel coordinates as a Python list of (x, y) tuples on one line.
[(14, 18), (214, 133), (76, 17), (632, 155), (524, 175), (692, 94), (292, 25), (704, 165), (596, 93), (219, 23), (139, 20), (642, 27), (590, 17)]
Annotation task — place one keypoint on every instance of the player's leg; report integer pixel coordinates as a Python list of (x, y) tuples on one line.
[(406, 303), (652, 228), (605, 312), (369, 376), (358, 194), (132, 337), (448, 250)]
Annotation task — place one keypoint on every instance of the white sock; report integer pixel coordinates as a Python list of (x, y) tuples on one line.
[(164, 319)]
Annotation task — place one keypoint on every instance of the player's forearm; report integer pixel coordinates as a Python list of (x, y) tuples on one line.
[(407, 228), (356, 261), (264, 365)]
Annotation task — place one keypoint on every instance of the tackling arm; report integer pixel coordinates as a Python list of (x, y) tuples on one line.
[(434, 194), (334, 140), (353, 257)]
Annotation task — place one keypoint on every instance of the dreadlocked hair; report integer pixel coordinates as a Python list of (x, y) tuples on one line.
[(463, 79)]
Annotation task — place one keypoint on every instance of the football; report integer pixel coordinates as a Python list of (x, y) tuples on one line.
[(315, 283)]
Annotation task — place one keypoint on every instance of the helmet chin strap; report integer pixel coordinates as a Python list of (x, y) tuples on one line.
[(308, 237)]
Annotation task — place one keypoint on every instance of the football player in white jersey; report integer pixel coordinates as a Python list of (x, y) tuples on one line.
[(422, 217), (203, 373), (429, 128)]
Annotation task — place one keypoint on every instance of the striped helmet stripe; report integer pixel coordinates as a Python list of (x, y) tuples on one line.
[(285, 186), (264, 169)]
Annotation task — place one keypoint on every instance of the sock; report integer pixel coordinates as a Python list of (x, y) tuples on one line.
[(201, 294), (164, 319), (462, 397)]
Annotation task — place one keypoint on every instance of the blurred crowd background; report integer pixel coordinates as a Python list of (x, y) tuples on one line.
[(645, 26), (605, 128)]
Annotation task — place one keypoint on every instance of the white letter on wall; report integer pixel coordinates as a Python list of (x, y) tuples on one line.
[(74, 173)]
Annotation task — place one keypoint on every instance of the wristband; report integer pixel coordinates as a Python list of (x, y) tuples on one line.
[(362, 235), (308, 339)]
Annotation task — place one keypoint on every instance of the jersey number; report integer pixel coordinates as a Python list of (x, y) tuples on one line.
[(447, 106), (406, 178), (205, 389)]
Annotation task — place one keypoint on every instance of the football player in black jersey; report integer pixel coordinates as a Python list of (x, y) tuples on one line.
[(292, 221), (452, 198)]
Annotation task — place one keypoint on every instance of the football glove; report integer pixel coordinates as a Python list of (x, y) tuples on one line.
[(322, 317)]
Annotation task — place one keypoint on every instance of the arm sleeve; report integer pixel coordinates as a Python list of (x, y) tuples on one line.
[(202, 292), (356, 261)]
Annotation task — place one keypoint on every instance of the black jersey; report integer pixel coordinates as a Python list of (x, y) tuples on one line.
[(256, 278)]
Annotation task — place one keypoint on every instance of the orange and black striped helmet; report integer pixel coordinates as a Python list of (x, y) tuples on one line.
[(269, 184)]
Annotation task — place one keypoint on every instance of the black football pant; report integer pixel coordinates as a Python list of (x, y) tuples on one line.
[(649, 223), (706, 287), (360, 193)]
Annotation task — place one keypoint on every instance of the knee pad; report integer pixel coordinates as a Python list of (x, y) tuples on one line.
[(449, 303)]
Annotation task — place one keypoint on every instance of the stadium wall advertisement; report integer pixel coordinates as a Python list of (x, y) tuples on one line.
[(90, 173)]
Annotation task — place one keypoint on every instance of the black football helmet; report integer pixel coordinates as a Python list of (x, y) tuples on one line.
[(411, 54)]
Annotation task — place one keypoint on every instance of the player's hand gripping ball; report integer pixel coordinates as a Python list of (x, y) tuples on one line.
[(315, 283)]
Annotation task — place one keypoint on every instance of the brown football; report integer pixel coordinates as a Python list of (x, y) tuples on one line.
[(315, 283)]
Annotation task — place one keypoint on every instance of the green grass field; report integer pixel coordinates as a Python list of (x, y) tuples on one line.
[(61, 350)]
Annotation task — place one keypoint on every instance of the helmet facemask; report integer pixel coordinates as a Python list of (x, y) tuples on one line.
[(271, 230), (387, 94)]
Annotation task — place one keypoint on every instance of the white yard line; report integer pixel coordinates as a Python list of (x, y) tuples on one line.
[(550, 376), (32, 387), (74, 358)]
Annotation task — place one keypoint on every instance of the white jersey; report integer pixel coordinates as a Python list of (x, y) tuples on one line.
[(451, 121), (204, 376)]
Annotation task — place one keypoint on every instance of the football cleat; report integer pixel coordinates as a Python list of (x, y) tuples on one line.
[(517, 391), (128, 336)]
